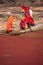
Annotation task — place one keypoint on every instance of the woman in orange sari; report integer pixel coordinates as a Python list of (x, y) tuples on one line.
[(9, 23)]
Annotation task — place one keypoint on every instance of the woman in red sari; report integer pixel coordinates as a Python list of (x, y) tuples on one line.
[(27, 19)]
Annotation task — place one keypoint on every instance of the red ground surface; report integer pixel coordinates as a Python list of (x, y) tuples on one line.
[(25, 49)]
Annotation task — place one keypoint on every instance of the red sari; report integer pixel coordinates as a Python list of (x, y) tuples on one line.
[(27, 19)]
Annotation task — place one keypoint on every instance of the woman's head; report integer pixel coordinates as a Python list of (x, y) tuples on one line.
[(9, 14)]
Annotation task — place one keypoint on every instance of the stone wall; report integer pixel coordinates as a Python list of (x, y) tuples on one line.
[(21, 2)]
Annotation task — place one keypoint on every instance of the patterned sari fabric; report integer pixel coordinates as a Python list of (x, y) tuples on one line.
[(27, 17)]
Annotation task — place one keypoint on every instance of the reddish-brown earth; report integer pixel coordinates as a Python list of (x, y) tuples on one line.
[(25, 49)]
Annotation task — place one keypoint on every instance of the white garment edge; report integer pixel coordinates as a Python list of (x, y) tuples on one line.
[(31, 13)]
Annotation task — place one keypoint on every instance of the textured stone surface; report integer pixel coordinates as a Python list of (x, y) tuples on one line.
[(38, 17)]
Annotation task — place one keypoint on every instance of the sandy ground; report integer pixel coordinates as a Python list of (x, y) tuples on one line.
[(25, 49)]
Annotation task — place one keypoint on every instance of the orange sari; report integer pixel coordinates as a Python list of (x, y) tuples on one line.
[(9, 23)]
